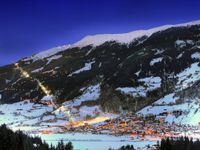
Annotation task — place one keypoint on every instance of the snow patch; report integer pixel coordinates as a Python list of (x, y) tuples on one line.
[(47, 53), (87, 67), (150, 84), (53, 58), (189, 76), (156, 60), (133, 91), (190, 42), (196, 55), (90, 94), (48, 98), (185, 113), (138, 73), (180, 55), (167, 99), (20, 113), (158, 51), (37, 70), (180, 43)]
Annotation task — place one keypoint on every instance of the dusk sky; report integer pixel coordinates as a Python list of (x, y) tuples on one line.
[(31, 26)]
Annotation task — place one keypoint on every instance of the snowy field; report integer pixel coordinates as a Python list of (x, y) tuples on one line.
[(168, 106), (83, 141), (35, 119)]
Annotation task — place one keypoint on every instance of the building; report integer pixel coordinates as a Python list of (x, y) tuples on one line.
[(48, 100)]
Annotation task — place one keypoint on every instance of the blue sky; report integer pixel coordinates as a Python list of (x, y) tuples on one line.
[(30, 26)]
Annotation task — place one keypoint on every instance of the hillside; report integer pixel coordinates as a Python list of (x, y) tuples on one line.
[(150, 72)]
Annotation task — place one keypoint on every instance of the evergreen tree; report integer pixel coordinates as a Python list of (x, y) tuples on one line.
[(69, 146)]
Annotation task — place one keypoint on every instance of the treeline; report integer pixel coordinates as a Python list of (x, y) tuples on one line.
[(181, 143), (128, 147), (10, 140)]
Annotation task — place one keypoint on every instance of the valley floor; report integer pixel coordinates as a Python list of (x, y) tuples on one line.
[(102, 132), (84, 141)]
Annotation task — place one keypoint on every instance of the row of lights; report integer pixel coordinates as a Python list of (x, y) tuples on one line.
[(48, 93), (44, 89), (27, 75)]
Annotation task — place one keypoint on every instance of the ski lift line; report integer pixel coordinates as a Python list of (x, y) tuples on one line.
[(25, 74)]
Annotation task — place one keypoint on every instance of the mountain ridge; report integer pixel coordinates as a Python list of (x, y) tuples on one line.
[(123, 38), (126, 38)]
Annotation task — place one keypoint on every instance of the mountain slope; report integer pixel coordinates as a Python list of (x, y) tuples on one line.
[(131, 70)]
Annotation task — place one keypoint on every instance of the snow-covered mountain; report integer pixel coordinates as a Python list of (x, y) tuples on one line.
[(148, 72), (126, 38), (96, 40), (47, 53)]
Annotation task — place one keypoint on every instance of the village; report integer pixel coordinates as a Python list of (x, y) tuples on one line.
[(135, 126)]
